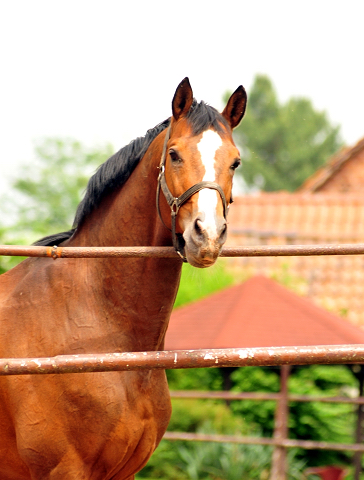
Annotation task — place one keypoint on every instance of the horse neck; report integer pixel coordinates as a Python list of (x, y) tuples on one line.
[(128, 216), (139, 291)]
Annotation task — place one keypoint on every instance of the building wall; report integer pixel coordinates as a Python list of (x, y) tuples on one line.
[(348, 179)]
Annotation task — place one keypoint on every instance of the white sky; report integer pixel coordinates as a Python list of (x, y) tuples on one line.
[(106, 71)]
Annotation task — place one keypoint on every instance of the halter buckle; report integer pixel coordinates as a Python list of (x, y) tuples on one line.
[(175, 206)]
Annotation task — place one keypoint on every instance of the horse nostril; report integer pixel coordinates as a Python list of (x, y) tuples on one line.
[(198, 228)]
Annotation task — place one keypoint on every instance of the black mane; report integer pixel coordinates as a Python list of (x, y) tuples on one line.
[(117, 169), (202, 116)]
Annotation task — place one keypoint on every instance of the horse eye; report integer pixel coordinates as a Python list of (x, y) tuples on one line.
[(174, 156), (235, 165)]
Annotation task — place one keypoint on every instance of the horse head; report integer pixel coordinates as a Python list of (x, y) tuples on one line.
[(197, 169)]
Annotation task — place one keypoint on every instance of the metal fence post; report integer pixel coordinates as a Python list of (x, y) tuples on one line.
[(279, 458)]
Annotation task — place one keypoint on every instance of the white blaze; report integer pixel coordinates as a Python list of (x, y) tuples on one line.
[(207, 200)]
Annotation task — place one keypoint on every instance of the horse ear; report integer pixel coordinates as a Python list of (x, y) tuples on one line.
[(182, 99), (235, 108)]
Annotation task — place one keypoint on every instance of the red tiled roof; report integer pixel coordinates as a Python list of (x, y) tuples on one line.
[(338, 217), (257, 313)]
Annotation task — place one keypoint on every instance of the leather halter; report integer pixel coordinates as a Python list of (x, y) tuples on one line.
[(176, 202)]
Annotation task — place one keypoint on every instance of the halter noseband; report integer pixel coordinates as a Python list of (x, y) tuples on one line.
[(176, 202)]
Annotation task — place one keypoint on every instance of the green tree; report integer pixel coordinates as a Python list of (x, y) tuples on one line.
[(198, 283), (50, 189), (282, 144), (46, 195)]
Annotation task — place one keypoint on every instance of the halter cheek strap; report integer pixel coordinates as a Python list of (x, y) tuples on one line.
[(176, 202)]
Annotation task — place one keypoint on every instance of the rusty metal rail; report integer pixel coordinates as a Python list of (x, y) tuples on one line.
[(261, 396), (169, 252), (286, 443), (228, 357)]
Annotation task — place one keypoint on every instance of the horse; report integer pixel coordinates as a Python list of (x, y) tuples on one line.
[(103, 426)]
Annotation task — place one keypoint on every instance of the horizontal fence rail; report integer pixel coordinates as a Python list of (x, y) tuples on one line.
[(287, 443), (261, 396), (275, 441), (174, 359), (169, 252)]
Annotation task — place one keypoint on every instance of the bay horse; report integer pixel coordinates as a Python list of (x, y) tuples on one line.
[(103, 426)]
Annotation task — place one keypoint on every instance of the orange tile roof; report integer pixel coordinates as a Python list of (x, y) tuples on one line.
[(257, 313), (337, 217)]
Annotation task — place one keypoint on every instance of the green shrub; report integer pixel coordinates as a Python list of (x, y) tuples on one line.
[(195, 379), (258, 414), (197, 283), (333, 422), (193, 415), (215, 461)]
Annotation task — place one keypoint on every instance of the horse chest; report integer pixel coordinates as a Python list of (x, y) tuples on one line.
[(94, 425)]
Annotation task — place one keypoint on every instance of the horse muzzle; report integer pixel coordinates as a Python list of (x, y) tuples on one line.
[(203, 242)]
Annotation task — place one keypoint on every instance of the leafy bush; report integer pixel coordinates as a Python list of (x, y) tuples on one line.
[(333, 422), (259, 415), (226, 461), (196, 379), (179, 460), (197, 283), (215, 461), (191, 415), (194, 415), (315, 420)]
